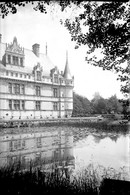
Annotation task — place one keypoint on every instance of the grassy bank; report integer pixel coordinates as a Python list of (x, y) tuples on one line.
[(35, 181), (103, 125), (107, 125)]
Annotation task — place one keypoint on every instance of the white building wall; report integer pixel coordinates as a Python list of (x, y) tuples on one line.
[(46, 105), (46, 91), (3, 104), (3, 86), (29, 105), (29, 89)]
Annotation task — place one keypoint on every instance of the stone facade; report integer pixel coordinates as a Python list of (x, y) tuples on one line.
[(31, 87)]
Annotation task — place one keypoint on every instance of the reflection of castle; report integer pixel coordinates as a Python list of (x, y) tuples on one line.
[(54, 148)]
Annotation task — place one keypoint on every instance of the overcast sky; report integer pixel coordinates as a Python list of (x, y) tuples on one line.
[(31, 27)]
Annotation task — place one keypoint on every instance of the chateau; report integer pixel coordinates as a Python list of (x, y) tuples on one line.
[(31, 87)]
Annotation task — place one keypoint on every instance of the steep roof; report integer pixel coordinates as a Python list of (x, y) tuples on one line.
[(67, 73), (30, 60)]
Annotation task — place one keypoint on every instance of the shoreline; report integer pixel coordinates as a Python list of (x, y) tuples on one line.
[(99, 125)]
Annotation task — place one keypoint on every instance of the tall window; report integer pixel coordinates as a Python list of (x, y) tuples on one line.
[(11, 146), (7, 73), (23, 105), (55, 92), (39, 142), (9, 59), (17, 88), (38, 91), (38, 75), (10, 87), (38, 105), (21, 61), (22, 89), (55, 106), (55, 78), (10, 104), (15, 60), (17, 104)]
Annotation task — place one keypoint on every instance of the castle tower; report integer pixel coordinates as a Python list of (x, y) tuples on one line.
[(67, 74), (68, 89)]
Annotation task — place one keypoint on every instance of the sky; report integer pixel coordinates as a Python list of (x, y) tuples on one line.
[(32, 27)]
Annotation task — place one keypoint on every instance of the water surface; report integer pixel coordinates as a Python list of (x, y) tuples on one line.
[(71, 147)]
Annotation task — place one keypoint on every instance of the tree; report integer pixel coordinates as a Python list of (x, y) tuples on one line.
[(107, 29), (99, 104), (113, 105), (81, 105)]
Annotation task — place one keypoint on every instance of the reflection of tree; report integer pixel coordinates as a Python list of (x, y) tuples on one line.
[(114, 137), (98, 138)]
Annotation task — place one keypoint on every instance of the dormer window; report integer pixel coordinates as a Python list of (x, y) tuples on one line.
[(55, 78), (38, 75), (9, 59), (15, 60), (21, 61), (14, 54)]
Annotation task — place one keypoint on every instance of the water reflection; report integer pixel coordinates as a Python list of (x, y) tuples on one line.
[(109, 151), (67, 147), (54, 148)]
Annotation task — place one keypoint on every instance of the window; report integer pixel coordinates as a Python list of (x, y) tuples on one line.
[(38, 106), (23, 105), (21, 75), (10, 146), (38, 75), (15, 60), (39, 142), (55, 92), (25, 76), (17, 104), (55, 79), (16, 145), (38, 91), (23, 144), (55, 106), (10, 104), (7, 73), (17, 88), (21, 61), (16, 74), (10, 87), (12, 74), (22, 89), (9, 59)]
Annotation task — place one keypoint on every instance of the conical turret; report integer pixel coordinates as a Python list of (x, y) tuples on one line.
[(67, 74)]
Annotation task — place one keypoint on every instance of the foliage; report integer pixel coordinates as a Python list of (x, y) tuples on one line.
[(98, 105), (37, 181), (107, 29), (81, 105)]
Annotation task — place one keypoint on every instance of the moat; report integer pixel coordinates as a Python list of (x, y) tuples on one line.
[(72, 147)]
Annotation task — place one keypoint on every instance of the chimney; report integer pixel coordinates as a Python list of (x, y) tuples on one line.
[(0, 37), (36, 49)]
